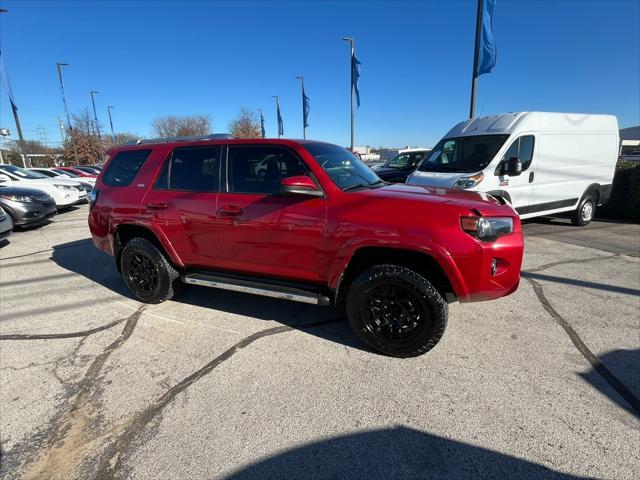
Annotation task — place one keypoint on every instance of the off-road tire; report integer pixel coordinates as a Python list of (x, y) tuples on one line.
[(433, 308), (585, 212), (168, 278)]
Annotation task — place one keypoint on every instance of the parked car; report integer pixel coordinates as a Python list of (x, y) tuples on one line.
[(542, 163), (26, 206), (318, 227), (90, 169), (52, 173), (6, 225), (71, 175), (65, 192), (398, 168), (78, 172)]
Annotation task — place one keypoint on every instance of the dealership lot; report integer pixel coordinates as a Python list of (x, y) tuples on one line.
[(544, 383)]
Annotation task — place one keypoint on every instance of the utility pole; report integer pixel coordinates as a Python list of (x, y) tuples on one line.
[(262, 133), (95, 117), (66, 111), (304, 123), (113, 135), (351, 41), (476, 54)]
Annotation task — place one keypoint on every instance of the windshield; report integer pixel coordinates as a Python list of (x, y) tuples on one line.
[(463, 154), (21, 172), (345, 169), (405, 160)]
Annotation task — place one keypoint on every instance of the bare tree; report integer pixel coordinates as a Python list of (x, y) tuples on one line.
[(122, 138), (85, 137), (246, 125), (173, 126)]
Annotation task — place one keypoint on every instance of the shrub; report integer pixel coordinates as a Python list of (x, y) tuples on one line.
[(625, 195)]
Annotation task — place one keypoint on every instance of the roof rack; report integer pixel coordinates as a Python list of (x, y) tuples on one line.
[(213, 136)]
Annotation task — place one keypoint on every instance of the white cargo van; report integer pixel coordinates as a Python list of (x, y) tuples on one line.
[(542, 163)]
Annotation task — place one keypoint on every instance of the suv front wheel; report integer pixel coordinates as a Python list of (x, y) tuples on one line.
[(396, 311), (147, 272)]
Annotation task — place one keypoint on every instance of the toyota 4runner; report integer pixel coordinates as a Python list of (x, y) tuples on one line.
[(304, 221)]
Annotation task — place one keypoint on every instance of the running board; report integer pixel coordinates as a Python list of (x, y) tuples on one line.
[(256, 288)]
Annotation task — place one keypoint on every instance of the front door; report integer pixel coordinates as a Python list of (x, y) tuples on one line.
[(183, 203), (262, 231), (520, 187)]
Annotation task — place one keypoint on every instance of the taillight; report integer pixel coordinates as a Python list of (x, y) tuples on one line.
[(487, 229)]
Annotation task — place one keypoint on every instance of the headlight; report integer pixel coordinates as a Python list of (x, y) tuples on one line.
[(18, 198), (487, 229), (469, 182)]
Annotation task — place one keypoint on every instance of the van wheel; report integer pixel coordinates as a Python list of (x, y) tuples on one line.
[(584, 213), (396, 311), (147, 272)]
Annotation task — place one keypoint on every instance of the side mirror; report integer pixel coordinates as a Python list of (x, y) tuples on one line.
[(4, 178), (300, 185), (512, 167)]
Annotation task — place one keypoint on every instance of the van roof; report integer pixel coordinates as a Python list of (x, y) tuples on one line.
[(509, 123)]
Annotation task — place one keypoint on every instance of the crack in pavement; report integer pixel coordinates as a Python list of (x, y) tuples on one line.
[(50, 336), (595, 362), (69, 438), (117, 450)]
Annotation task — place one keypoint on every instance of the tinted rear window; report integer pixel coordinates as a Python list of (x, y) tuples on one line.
[(124, 167)]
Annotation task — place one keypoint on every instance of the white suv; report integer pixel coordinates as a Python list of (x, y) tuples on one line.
[(64, 192)]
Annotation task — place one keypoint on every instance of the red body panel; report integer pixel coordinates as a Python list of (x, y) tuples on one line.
[(310, 239)]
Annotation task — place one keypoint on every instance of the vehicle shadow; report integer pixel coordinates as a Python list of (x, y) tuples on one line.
[(393, 453), (625, 365), (86, 260)]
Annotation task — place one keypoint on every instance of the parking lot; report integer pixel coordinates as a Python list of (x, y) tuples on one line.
[(544, 383)]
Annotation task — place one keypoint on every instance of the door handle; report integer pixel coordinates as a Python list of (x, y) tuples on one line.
[(230, 211), (157, 205), (531, 175)]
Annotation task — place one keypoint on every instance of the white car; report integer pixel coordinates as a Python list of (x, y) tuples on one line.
[(86, 182), (64, 192)]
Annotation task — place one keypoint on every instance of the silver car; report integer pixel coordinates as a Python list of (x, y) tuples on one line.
[(6, 225)]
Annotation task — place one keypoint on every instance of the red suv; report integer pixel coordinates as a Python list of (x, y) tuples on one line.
[(304, 221)]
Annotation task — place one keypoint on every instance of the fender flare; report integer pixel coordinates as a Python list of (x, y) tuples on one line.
[(501, 193)]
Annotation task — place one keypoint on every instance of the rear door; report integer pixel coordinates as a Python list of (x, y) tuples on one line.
[(182, 203), (262, 231)]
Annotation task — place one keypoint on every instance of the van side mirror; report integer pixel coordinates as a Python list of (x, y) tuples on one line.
[(300, 185), (512, 167)]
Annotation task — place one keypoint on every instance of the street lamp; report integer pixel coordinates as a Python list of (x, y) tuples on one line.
[(66, 110), (351, 41), (95, 117), (113, 135)]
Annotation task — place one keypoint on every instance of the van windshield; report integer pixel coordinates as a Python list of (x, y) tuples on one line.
[(463, 154)]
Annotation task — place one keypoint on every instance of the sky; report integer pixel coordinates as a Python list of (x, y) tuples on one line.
[(155, 58)]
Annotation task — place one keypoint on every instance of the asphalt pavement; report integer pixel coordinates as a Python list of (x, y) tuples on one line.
[(544, 383)]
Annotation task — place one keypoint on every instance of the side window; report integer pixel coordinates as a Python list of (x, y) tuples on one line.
[(124, 167), (522, 147), (194, 169), (260, 169)]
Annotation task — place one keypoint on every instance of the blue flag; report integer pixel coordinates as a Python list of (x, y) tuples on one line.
[(487, 54), (305, 108), (6, 85), (280, 123), (355, 75), (262, 124)]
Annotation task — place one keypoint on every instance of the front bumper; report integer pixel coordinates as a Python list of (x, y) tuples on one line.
[(30, 213)]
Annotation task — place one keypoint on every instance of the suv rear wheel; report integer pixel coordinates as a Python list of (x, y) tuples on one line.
[(147, 272), (396, 311)]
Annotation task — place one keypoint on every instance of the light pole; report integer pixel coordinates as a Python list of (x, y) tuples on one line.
[(66, 111), (262, 132), (278, 116), (304, 123), (351, 41), (95, 117), (25, 159), (113, 135)]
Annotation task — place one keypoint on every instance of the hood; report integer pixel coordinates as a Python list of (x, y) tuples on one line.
[(464, 199), (435, 179), (382, 170), (29, 192)]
